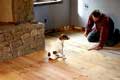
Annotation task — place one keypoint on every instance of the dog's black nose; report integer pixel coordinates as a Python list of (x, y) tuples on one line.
[(49, 54)]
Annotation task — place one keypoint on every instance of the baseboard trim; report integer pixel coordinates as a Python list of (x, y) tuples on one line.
[(65, 29)]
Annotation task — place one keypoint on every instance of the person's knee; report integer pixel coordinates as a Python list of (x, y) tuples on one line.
[(90, 39), (93, 36)]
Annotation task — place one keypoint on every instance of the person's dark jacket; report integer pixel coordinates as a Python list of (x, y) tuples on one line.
[(105, 26)]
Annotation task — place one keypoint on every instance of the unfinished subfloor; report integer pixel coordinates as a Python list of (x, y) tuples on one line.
[(80, 64)]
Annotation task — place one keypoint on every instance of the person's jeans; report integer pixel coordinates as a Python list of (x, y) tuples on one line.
[(94, 36)]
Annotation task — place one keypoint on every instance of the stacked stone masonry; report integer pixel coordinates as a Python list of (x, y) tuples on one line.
[(19, 40)]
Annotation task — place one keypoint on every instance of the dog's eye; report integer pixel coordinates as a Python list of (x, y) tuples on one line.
[(54, 52)]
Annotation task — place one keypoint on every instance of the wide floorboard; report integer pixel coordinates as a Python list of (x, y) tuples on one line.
[(80, 64)]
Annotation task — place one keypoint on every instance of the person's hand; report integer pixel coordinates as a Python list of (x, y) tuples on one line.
[(96, 48), (85, 34)]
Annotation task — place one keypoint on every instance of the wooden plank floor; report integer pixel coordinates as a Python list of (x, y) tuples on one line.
[(80, 64), (32, 67), (97, 65)]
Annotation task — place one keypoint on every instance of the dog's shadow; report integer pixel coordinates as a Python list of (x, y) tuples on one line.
[(61, 60)]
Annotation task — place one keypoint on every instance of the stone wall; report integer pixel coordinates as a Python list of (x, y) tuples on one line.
[(16, 10), (18, 40)]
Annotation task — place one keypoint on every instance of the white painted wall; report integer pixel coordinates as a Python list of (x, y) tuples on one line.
[(56, 14), (109, 7)]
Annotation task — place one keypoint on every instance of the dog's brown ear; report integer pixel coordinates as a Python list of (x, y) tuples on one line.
[(63, 37), (66, 37)]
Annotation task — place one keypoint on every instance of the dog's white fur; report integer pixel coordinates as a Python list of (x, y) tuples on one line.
[(56, 46)]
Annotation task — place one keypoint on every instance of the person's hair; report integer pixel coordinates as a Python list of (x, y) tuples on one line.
[(96, 13)]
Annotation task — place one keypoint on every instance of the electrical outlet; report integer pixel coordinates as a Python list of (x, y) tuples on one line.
[(45, 20), (86, 6)]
